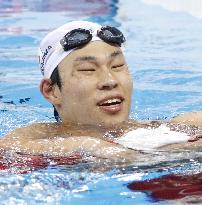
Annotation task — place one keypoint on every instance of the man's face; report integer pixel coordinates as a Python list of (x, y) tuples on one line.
[(96, 86)]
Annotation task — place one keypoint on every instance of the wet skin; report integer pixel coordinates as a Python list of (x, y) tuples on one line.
[(96, 86)]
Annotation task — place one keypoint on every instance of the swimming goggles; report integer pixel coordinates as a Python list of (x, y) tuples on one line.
[(79, 37)]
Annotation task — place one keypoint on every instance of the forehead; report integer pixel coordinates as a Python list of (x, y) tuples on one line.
[(95, 51)]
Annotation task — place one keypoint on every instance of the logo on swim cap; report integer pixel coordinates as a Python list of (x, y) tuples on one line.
[(43, 58)]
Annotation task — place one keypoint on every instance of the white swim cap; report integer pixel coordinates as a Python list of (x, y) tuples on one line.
[(51, 53)]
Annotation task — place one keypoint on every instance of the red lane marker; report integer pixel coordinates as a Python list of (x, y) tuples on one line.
[(170, 187), (26, 163)]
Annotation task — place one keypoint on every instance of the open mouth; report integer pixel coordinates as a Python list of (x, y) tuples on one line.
[(109, 102), (111, 105)]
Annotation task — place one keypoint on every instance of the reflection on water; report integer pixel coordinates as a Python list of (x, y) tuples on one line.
[(18, 14), (91, 7), (193, 7), (140, 183), (172, 187)]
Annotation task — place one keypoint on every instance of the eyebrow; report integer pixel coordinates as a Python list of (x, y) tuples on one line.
[(93, 58), (115, 53), (85, 58)]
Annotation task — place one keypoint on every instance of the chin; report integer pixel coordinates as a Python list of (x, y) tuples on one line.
[(113, 122)]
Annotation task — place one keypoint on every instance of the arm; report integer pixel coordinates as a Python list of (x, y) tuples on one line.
[(86, 146), (192, 118), (186, 146), (190, 122), (23, 140)]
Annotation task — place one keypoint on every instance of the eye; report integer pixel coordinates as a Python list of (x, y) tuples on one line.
[(118, 67), (87, 71)]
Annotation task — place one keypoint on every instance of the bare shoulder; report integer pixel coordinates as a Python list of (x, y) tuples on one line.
[(191, 118), (33, 131), (28, 135)]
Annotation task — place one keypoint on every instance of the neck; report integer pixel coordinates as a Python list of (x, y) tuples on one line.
[(100, 131)]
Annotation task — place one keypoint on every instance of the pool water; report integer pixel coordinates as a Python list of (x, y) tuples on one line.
[(163, 51)]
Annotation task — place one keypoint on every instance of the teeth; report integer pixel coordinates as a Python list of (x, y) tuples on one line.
[(110, 101), (113, 101)]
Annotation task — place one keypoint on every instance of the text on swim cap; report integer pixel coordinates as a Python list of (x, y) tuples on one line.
[(43, 58)]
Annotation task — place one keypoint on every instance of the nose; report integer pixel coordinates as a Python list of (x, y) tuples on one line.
[(107, 81)]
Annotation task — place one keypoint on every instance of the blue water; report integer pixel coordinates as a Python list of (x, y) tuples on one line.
[(163, 51)]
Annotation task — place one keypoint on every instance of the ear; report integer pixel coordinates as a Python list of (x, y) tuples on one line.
[(50, 92)]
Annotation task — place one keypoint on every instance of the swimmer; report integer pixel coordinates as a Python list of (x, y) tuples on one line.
[(86, 79)]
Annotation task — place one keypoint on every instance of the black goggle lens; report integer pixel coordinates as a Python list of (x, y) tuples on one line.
[(79, 37), (111, 35), (75, 38)]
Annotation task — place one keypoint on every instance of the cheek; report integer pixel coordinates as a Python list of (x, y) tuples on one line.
[(130, 82), (79, 89), (127, 83)]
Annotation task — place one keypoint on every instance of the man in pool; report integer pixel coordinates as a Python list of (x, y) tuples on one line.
[(86, 79)]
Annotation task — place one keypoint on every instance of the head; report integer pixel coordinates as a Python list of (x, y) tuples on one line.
[(88, 83)]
